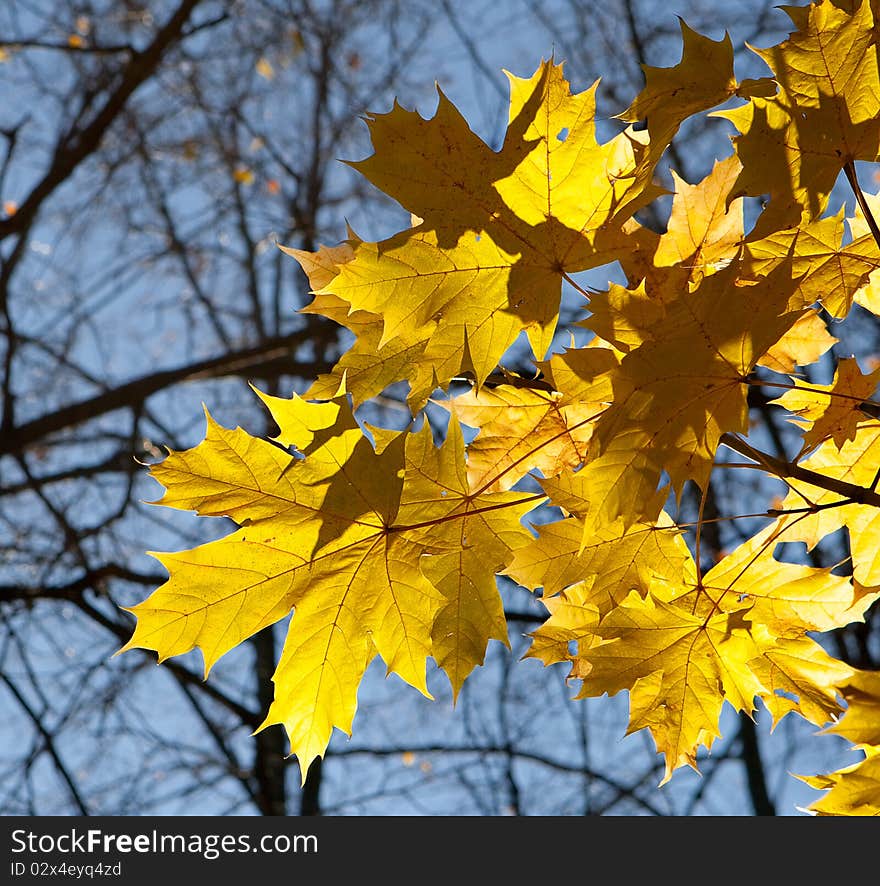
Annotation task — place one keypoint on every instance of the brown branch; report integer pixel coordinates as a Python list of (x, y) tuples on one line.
[(782, 468), (48, 744), (73, 590), (249, 718), (622, 790), (271, 357), (75, 146)]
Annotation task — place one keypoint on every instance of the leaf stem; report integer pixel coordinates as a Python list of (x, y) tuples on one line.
[(462, 514), (850, 170), (811, 390), (584, 292)]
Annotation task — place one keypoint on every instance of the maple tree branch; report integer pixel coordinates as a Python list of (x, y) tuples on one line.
[(75, 146), (781, 467), (271, 356), (271, 788), (48, 744), (74, 589), (559, 765), (228, 753), (250, 718), (88, 48)]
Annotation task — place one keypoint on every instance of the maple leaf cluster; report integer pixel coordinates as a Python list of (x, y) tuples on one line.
[(382, 543)]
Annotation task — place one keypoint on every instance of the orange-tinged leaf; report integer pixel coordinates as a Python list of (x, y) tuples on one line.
[(802, 345), (521, 430)]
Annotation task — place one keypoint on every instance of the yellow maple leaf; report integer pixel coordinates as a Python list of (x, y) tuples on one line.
[(831, 411), (826, 271), (365, 369), (682, 388), (705, 227), (702, 79), (376, 551), (473, 297), (801, 345), (497, 233), (679, 669), (798, 675), (586, 568), (861, 722), (703, 236), (568, 186), (550, 180), (643, 619), (583, 374), (470, 534), (826, 113), (854, 790), (569, 630), (521, 430), (788, 599), (612, 561), (625, 318)]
